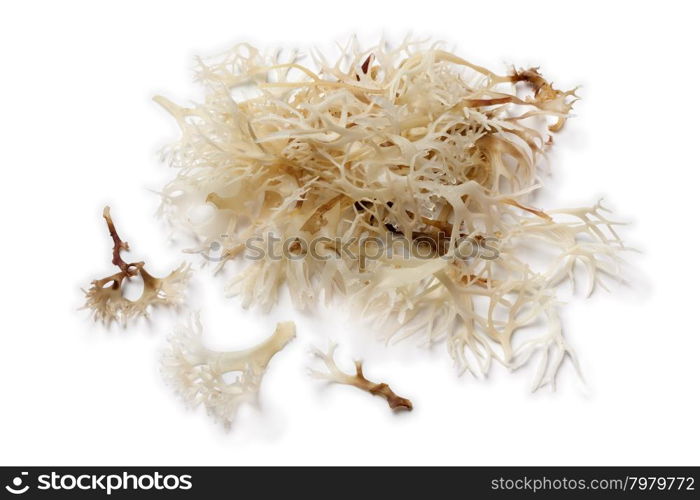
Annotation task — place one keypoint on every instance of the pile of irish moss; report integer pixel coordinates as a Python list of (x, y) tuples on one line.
[(399, 179)]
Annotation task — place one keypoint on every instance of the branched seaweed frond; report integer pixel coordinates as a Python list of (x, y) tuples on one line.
[(336, 376), (197, 373), (105, 296)]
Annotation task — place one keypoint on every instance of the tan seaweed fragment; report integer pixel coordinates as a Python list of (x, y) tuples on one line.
[(337, 376), (105, 297), (197, 372)]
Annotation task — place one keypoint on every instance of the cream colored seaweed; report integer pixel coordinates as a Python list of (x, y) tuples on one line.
[(411, 142), (197, 373)]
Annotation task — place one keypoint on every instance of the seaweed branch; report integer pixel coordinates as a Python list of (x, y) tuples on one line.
[(105, 296), (337, 376)]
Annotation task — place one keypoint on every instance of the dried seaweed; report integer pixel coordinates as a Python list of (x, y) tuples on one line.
[(410, 142), (197, 373), (105, 296), (336, 376)]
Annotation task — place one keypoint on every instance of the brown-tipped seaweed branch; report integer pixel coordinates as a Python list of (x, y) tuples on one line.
[(105, 296), (337, 376)]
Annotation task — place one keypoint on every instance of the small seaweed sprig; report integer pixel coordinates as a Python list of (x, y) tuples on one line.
[(197, 373), (105, 297), (336, 376)]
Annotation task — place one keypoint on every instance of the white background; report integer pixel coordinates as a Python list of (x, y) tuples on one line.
[(79, 130)]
